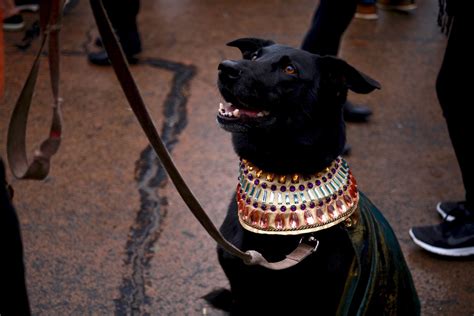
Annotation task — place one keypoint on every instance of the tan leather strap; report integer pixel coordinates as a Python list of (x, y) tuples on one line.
[(135, 100), (16, 139), (307, 246)]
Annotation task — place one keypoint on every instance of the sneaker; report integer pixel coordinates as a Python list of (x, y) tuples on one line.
[(445, 208), (69, 5), (450, 238), (13, 23), (366, 12), (355, 112), (101, 58), (400, 5), (27, 5)]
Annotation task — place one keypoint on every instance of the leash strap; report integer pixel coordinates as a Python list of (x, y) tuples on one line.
[(129, 87), (16, 139)]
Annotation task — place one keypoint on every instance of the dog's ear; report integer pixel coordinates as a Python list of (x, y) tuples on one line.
[(341, 72), (249, 45)]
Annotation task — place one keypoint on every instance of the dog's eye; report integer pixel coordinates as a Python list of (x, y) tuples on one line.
[(290, 69)]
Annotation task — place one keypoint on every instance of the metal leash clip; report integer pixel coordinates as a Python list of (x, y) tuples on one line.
[(311, 241)]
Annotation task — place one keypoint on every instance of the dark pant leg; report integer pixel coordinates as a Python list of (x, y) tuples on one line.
[(330, 21), (13, 293), (455, 97), (123, 16)]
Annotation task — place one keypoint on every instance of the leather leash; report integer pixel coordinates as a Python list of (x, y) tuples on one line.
[(307, 245), (50, 19)]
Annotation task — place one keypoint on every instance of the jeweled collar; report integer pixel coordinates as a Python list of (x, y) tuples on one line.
[(295, 204)]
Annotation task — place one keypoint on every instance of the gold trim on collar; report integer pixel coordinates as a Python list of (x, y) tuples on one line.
[(295, 204)]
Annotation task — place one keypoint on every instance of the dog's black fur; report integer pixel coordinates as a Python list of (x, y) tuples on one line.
[(303, 133)]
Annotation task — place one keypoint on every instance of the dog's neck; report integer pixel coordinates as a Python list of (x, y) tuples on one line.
[(293, 204), (304, 150)]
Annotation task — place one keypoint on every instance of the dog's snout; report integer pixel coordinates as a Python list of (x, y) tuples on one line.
[(229, 69)]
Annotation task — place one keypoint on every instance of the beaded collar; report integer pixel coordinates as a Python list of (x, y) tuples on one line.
[(295, 204)]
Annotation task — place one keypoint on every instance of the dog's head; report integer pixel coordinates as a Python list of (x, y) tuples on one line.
[(280, 98)]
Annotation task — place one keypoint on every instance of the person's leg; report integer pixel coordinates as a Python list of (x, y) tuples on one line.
[(330, 21), (123, 16), (454, 95), (14, 297), (455, 235)]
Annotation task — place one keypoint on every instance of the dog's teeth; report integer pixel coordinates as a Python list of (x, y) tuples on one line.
[(221, 106), (265, 113), (236, 113), (260, 114)]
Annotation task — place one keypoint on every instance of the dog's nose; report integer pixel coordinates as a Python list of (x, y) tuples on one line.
[(229, 69)]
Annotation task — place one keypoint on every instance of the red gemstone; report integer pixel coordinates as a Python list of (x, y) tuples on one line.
[(348, 200), (241, 206), (245, 213), (294, 221), (320, 215), (308, 217), (279, 221), (353, 192), (341, 207), (264, 220), (331, 211), (254, 217)]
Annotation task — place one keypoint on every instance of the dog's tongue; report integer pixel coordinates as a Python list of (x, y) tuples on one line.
[(248, 112)]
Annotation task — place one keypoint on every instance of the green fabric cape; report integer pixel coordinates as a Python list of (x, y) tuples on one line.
[(379, 281)]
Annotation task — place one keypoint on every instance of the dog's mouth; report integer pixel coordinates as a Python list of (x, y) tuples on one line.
[(228, 111), (234, 118)]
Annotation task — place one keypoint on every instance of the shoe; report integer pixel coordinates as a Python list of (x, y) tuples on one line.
[(450, 238), (69, 5), (102, 59), (27, 5), (400, 5), (355, 113), (366, 12), (444, 209), (13, 23)]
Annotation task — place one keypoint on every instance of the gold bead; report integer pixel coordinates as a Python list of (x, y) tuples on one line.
[(251, 168), (259, 173), (295, 178), (244, 161), (327, 169), (270, 177), (348, 222), (282, 179)]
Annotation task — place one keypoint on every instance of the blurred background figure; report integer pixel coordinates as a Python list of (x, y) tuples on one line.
[(330, 21), (455, 235), (367, 9), (123, 17), (13, 292), (12, 18)]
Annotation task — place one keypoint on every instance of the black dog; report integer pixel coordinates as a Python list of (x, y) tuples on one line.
[(284, 110)]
